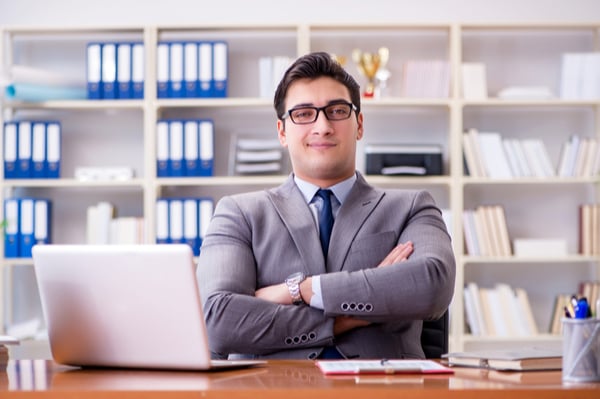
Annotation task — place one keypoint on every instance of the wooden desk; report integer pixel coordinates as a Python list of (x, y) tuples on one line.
[(279, 379)]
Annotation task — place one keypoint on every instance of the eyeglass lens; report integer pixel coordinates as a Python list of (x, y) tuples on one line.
[(333, 112)]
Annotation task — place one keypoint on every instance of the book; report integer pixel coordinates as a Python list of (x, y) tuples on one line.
[(510, 377), (473, 291), (509, 360), (384, 366), (493, 155), (474, 81), (548, 247), (560, 302), (526, 314)]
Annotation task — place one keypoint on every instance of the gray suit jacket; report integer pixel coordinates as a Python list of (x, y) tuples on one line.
[(258, 239)]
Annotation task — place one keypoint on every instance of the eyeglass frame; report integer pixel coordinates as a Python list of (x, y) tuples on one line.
[(288, 113)]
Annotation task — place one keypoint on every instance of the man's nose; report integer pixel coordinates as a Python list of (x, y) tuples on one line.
[(322, 121)]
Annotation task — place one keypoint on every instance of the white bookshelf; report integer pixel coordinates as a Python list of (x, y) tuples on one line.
[(122, 132)]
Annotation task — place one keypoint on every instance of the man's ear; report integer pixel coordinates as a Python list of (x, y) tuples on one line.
[(281, 133), (359, 128)]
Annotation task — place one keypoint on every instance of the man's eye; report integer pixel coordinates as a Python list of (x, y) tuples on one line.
[(337, 111), (303, 113)]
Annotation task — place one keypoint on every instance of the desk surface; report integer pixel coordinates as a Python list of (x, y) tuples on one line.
[(278, 379)]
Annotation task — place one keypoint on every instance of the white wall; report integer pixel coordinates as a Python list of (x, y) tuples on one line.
[(176, 12)]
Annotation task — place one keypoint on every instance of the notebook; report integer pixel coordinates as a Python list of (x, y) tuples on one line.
[(133, 306), (508, 360)]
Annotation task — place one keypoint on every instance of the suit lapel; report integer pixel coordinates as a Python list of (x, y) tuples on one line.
[(353, 214), (298, 219)]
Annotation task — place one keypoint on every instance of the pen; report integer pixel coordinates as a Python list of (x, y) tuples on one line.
[(582, 309), (568, 314), (574, 301)]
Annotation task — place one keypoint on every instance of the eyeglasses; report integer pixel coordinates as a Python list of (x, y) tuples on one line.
[(333, 112)]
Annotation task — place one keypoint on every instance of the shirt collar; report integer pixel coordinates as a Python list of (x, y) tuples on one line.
[(340, 190)]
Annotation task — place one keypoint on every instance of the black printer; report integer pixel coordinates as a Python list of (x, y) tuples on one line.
[(404, 159)]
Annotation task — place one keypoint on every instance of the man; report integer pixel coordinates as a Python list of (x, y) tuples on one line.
[(267, 287)]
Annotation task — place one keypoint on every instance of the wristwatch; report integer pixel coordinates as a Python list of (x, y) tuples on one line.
[(293, 283)]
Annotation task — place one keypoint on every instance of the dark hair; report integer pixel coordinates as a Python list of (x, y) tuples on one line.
[(312, 66)]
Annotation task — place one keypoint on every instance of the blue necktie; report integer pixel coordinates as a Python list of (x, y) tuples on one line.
[(325, 227), (325, 219)]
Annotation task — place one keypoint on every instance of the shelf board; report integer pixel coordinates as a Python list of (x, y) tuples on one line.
[(536, 259), (530, 180), (497, 102), (267, 180), (409, 180), (406, 101), (137, 183), (78, 104), (468, 338), (17, 261), (213, 102), (490, 25)]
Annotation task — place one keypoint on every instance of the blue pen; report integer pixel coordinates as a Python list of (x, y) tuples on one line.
[(582, 308)]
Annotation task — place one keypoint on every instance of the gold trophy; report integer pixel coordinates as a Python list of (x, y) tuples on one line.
[(340, 59), (368, 64)]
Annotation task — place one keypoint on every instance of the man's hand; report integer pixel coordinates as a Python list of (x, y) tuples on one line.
[(400, 253), (278, 293)]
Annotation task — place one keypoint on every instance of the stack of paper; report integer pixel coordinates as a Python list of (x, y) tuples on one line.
[(253, 155), (515, 360)]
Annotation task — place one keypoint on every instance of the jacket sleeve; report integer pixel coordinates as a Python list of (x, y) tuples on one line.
[(419, 288), (237, 321)]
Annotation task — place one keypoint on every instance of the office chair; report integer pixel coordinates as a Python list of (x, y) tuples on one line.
[(434, 337)]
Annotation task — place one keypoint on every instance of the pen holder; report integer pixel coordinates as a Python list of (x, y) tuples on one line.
[(581, 350)]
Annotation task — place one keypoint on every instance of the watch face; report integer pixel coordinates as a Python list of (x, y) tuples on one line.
[(295, 277), (293, 283)]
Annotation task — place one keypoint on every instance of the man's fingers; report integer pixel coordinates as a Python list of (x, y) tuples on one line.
[(399, 253)]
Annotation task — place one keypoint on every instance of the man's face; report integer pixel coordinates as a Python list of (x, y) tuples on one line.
[(322, 152)]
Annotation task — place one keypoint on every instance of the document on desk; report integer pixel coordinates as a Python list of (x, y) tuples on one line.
[(399, 366), (508, 360)]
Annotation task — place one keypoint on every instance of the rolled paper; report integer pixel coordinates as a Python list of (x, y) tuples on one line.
[(35, 92)]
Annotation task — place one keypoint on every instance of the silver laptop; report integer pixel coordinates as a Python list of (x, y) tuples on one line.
[(134, 306)]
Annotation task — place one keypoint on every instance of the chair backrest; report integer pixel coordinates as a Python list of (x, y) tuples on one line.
[(434, 337)]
